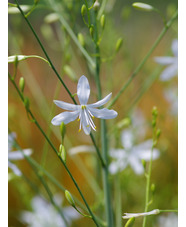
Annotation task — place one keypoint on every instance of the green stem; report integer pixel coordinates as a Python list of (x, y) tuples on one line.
[(53, 147), (54, 69), (169, 23), (108, 208)]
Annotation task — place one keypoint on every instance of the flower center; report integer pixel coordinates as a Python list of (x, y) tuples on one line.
[(83, 107)]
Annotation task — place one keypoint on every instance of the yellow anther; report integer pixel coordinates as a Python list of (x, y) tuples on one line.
[(80, 130), (78, 119), (95, 127), (88, 126), (83, 107), (93, 117)]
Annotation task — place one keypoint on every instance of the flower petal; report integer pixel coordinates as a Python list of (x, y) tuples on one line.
[(14, 168), (136, 165), (83, 90), (101, 102), (103, 113), (85, 123), (65, 105), (127, 139), (165, 60), (66, 117), (169, 72), (118, 153), (16, 155), (175, 47)]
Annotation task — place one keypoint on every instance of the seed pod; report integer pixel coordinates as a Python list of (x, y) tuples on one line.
[(62, 152), (83, 10), (81, 39), (69, 198), (142, 6), (119, 44), (130, 222), (102, 21), (21, 84)]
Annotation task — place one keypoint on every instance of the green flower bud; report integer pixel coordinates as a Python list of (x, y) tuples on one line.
[(91, 30), (69, 198), (130, 222), (83, 10), (26, 103), (119, 44), (142, 6), (96, 5), (155, 111), (21, 84), (154, 123), (70, 73), (102, 21), (81, 39), (144, 163), (62, 153), (158, 133), (62, 129), (153, 188)]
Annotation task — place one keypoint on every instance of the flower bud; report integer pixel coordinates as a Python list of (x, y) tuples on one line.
[(26, 102), (155, 111), (154, 123), (21, 84), (119, 44), (62, 153), (153, 188), (142, 6), (96, 5), (69, 198), (144, 163), (81, 39), (158, 133), (62, 129), (102, 21), (83, 10), (130, 222), (91, 30), (70, 73)]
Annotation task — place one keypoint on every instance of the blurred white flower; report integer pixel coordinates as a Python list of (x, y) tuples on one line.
[(131, 215), (171, 62), (81, 149), (84, 111), (15, 155), (170, 220), (171, 95), (45, 215), (131, 154)]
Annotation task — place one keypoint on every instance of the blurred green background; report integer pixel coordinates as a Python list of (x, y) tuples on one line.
[(139, 30)]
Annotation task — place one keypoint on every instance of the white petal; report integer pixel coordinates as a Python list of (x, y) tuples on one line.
[(103, 113), (85, 124), (83, 90), (16, 155), (127, 139), (14, 168), (175, 47), (118, 153), (81, 149), (165, 60), (101, 102), (169, 72), (65, 105), (66, 117), (136, 165), (117, 166)]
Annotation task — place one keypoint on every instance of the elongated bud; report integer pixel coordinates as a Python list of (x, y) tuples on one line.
[(83, 10), (81, 39), (62, 153), (96, 5), (91, 30), (144, 163), (69, 198), (102, 21), (21, 84), (70, 73), (119, 44), (158, 133), (142, 6), (155, 111), (154, 123), (62, 129), (153, 188), (26, 102), (130, 222)]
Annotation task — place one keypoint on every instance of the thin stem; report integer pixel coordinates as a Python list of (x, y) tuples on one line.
[(108, 208), (169, 23), (53, 147), (54, 69)]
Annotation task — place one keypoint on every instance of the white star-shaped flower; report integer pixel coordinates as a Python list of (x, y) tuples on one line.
[(15, 155), (171, 62), (44, 214), (85, 112), (131, 154)]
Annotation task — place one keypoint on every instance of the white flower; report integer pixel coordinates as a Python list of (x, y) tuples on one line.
[(131, 215), (45, 215), (130, 154), (15, 155), (84, 111), (171, 62), (168, 220)]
